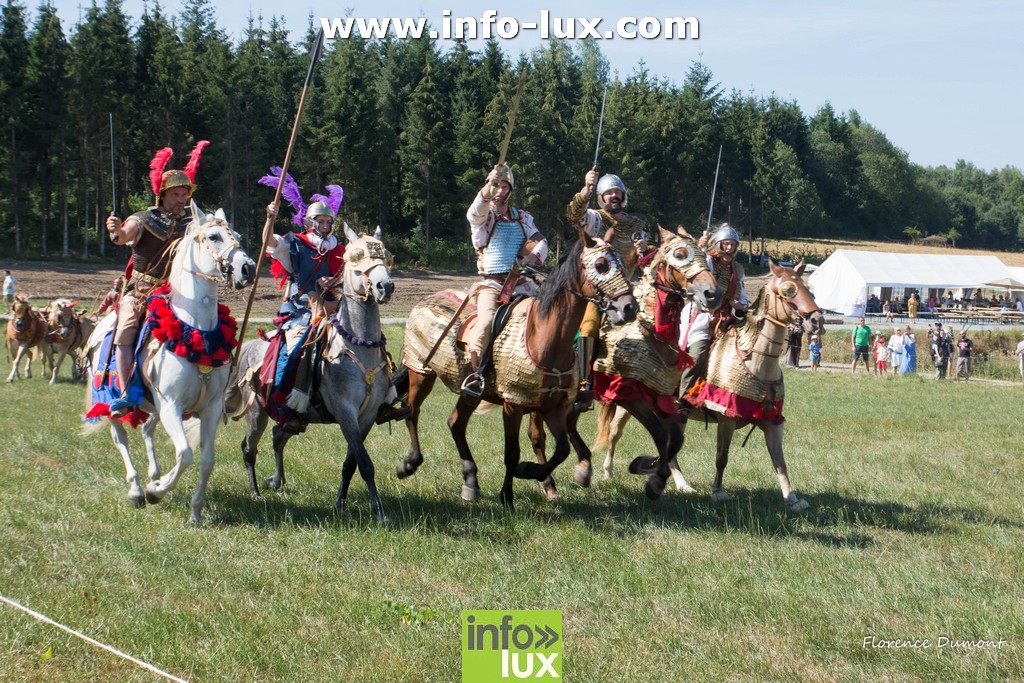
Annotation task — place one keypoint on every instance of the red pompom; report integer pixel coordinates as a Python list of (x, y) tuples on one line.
[(173, 329), (159, 334), (181, 350), (221, 354), (196, 343), (223, 310)]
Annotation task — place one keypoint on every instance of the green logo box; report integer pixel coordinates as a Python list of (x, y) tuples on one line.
[(509, 645)]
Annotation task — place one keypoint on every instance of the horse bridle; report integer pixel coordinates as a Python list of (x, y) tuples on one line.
[(603, 301), (688, 268), (377, 255), (220, 258)]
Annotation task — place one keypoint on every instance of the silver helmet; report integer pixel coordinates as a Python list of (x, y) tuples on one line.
[(506, 171), (724, 232), (611, 182)]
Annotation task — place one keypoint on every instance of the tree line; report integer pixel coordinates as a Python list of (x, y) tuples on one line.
[(410, 132)]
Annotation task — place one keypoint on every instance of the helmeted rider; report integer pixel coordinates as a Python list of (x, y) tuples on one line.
[(698, 329), (300, 260), (629, 235), (503, 236), (150, 234)]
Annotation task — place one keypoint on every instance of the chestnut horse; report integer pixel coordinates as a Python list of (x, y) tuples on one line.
[(534, 360), (745, 383), (26, 333), (68, 334)]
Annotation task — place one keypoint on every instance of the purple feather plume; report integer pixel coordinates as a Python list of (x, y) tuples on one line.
[(332, 199), (290, 192)]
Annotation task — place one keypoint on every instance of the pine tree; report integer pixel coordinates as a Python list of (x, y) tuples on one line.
[(14, 50)]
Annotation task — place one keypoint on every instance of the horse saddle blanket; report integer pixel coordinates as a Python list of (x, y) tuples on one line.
[(279, 369), (631, 351)]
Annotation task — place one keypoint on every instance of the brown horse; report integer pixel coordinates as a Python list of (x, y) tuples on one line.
[(744, 384), (635, 369), (534, 361), (68, 332), (26, 332)]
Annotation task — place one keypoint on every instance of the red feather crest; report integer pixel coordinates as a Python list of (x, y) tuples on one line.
[(156, 167), (193, 159)]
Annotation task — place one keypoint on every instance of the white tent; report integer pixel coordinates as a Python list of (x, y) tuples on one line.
[(841, 283)]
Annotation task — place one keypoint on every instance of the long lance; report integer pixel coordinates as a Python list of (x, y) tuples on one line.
[(707, 230), (501, 161), (600, 128), (268, 227), (113, 177)]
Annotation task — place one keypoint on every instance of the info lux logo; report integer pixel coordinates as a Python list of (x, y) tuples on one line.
[(509, 645)]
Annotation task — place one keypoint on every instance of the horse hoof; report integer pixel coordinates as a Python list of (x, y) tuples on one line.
[(686, 488), (383, 519), (607, 473), (470, 494), (643, 464), (582, 474), (404, 469), (799, 505), (273, 483), (152, 498), (195, 519), (139, 500), (654, 488), (721, 496)]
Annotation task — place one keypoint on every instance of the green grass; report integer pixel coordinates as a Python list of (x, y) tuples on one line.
[(915, 532)]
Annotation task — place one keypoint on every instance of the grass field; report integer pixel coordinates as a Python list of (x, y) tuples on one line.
[(914, 534)]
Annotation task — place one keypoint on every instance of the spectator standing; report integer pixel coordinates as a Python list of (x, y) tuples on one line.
[(814, 352), (941, 348), (796, 340), (1019, 306), (909, 366), (887, 310), (881, 355), (963, 357), (896, 350), (859, 341), (9, 285), (1020, 353), (913, 304)]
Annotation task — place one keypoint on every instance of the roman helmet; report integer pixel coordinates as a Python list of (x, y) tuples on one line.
[(506, 171), (162, 180), (611, 182), (724, 232), (315, 209)]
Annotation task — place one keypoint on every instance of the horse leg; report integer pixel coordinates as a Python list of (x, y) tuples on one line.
[(726, 428), (457, 423), (149, 439), (120, 438), (538, 439), (616, 428), (16, 363), (208, 420), (349, 423), (512, 416), (175, 428), (656, 468), (676, 438), (419, 388), (773, 439), (57, 364), (280, 440), (584, 470), (255, 425)]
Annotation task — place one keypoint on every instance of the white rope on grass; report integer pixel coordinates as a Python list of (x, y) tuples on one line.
[(87, 639)]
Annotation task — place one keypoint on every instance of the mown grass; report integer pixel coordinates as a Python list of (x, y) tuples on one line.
[(915, 532)]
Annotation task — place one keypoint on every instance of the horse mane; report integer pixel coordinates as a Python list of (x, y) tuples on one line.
[(564, 277), (751, 327)]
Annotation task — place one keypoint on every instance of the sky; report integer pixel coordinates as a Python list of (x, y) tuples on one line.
[(943, 79)]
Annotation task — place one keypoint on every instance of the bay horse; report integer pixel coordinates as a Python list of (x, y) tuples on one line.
[(67, 335), (637, 367), (187, 371), (355, 371), (744, 385), (534, 364), (26, 336)]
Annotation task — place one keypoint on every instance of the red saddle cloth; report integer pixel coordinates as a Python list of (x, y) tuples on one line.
[(734, 405), (610, 388)]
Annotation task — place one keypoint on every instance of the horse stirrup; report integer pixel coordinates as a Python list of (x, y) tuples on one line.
[(473, 385)]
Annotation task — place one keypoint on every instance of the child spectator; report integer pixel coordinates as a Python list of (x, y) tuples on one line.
[(881, 355), (814, 352)]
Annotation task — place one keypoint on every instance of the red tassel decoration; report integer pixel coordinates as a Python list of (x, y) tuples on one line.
[(193, 159), (156, 167)]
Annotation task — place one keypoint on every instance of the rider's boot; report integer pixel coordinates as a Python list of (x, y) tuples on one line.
[(473, 385), (124, 359), (585, 371)]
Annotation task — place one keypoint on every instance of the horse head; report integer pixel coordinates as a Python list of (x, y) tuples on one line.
[(680, 268), (222, 256), (61, 314), (604, 279), (793, 299), (22, 312), (366, 257)]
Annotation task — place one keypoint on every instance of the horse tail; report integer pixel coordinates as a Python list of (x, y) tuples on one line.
[(605, 413)]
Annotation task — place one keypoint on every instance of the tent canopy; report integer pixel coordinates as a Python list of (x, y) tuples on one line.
[(842, 281)]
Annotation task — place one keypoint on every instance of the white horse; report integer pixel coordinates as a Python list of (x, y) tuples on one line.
[(356, 374), (206, 256)]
